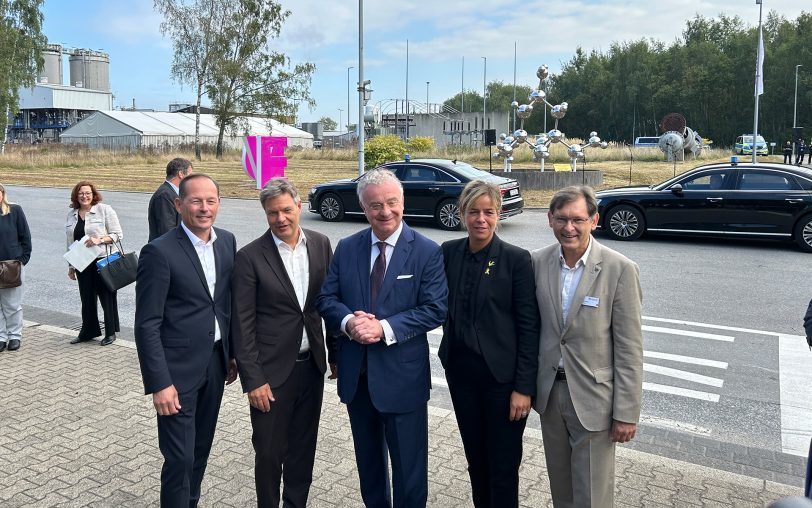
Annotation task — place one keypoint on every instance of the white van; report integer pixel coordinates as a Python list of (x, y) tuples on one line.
[(647, 142)]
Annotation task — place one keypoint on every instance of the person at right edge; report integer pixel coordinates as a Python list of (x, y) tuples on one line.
[(590, 377), (490, 346)]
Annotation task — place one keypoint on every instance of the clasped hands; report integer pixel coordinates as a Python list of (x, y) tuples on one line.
[(363, 328)]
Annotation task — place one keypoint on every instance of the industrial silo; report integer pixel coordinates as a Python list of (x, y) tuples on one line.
[(90, 69), (52, 65)]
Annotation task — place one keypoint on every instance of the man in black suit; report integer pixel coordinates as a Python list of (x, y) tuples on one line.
[(808, 324), (182, 320), (161, 214), (279, 344)]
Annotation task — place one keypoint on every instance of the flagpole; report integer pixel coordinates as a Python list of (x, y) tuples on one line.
[(759, 88)]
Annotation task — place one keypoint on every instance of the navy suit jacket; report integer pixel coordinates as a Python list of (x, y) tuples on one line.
[(174, 312), (161, 213), (412, 299)]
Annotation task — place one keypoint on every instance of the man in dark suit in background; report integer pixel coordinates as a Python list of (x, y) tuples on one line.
[(385, 289), (279, 344), (808, 324), (161, 214), (182, 320)]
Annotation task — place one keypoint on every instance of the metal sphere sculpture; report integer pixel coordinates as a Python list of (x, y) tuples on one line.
[(542, 142)]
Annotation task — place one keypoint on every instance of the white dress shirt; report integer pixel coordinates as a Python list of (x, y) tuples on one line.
[(205, 253), (174, 187), (388, 333), (298, 268), (570, 277)]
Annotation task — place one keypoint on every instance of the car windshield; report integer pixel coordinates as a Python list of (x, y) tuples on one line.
[(749, 139)]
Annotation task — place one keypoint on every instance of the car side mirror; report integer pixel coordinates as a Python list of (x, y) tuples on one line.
[(676, 189)]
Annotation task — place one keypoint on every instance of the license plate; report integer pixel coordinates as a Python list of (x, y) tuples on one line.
[(513, 192)]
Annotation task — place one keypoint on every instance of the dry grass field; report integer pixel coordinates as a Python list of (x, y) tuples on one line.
[(59, 166)]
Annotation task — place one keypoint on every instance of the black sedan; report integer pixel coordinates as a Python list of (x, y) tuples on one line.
[(747, 200), (431, 189)]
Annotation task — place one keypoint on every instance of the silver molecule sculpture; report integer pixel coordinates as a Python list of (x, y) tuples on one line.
[(541, 145)]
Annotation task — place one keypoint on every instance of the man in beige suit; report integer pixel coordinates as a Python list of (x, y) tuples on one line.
[(591, 353)]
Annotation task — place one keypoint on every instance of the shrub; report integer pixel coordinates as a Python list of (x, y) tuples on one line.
[(420, 144), (382, 149)]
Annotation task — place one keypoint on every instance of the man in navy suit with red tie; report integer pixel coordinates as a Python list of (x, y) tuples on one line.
[(385, 289)]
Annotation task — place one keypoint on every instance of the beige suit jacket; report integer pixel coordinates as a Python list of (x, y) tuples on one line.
[(602, 346)]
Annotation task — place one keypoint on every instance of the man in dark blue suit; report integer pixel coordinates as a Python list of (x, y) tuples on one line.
[(384, 290), (182, 320)]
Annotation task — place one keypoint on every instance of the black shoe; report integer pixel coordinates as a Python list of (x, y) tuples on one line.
[(108, 340), (2, 346), (79, 339), (14, 344)]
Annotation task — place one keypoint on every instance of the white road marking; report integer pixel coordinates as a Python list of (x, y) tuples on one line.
[(685, 359), (688, 333), (683, 392), (795, 378), (707, 325), (674, 424), (684, 375), (438, 381)]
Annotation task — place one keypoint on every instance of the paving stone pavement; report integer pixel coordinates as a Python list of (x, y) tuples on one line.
[(78, 431)]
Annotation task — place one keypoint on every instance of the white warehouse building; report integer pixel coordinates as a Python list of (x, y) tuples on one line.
[(133, 130)]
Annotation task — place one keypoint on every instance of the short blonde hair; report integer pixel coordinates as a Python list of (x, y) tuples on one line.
[(475, 190), (5, 206)]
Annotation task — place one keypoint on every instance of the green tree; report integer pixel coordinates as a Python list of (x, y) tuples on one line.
[(328, 123), (21, 43), (193, 29), (246, 75)]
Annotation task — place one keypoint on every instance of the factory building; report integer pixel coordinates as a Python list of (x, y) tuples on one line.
[(134, 130), (52, 105)]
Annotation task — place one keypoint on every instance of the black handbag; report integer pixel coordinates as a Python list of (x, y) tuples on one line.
[(120, 272), (11, 274)]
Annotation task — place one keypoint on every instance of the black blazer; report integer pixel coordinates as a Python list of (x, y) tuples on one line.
[(162, 215), (174, 313), (267, 324), (808, 320), (507, 320)]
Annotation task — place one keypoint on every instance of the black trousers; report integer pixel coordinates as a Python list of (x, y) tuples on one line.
[(285, 438), (799, 158), (185, 438), (788, 158), (492, 443), (91, 290)]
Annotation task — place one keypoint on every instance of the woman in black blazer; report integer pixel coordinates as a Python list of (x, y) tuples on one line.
[(490, 346)]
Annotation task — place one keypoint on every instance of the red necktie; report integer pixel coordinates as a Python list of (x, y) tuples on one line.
[(376, 277)]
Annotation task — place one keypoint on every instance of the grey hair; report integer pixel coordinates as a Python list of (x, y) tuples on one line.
[(376, 177), (574, 193), (275, 188), (476, 189)]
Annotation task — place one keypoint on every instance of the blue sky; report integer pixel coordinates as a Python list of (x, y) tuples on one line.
[(440, 34)]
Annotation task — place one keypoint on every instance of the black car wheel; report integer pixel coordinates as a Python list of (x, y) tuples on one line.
[(625, 222), (803, 233), (448, 215), (331, 208)]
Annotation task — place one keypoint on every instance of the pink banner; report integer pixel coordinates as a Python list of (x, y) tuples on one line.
[(267, 162)]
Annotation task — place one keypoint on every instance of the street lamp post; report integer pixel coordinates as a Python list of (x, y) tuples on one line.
[(427, 98), (795, 111), (348, 97), (484, 89), (340, 141)]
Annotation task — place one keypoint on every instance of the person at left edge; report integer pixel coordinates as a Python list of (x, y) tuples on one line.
[(161, 213), (182, 321), (15, 244), (278, 343), (385, 290)]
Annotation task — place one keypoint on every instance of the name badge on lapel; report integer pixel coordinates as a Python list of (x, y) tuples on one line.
[(591, 301)]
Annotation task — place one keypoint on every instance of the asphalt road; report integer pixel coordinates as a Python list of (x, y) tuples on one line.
[(710, 370)]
